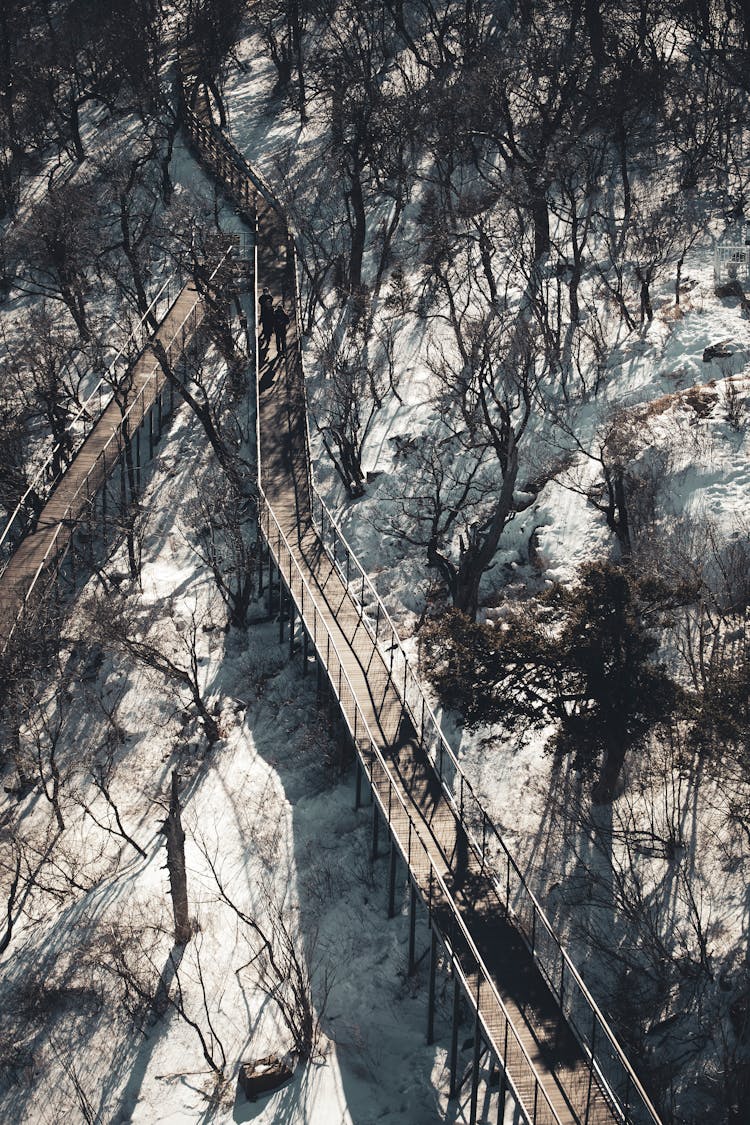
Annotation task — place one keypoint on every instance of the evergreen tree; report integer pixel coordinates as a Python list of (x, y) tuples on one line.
[(582, 657)]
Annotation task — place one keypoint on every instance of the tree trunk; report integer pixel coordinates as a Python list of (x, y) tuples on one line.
[(75, 131), (540, 219), (603, 792), (176, 865), (595, 30), (358, 226)]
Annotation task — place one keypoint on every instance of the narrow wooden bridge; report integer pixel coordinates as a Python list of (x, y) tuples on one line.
[(536, 1028), (131, 419), (533, 1016)]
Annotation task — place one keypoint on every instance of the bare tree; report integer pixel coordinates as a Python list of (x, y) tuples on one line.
[(117, 628), (59, 244), (221, 519), (280, 962), (358, 376)]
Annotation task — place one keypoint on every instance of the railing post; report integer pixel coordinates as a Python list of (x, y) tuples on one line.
[(591, 1069)]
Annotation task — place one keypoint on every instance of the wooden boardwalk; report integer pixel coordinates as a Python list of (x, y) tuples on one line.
[(519, 1017), (521, 1020), (35, 561), (518, 1014)]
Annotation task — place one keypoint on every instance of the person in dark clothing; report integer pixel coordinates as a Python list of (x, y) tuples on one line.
[(280, 323), (266, 315)]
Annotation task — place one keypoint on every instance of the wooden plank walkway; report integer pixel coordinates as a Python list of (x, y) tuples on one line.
[(521, 1020), (70, 505), (442, 846)]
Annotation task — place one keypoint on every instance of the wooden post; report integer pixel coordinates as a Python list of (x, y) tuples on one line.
[(431, 990), (291, 625), (305, 644), (375, 827), (281, 610)]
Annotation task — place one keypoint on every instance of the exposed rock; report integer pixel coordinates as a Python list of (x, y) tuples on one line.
[(717, 351), (264, 1075)]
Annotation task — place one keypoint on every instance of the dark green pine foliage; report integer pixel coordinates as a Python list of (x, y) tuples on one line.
[(583, 658), (620, 690)]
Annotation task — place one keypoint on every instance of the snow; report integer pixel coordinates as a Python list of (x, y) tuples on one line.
[(674, 411), (269, 801)]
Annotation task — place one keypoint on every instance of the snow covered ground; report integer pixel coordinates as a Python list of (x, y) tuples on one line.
[(267, 805), (269, 808), (686, 422)]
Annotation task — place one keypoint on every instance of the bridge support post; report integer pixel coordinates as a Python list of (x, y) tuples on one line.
[(291, 625), (281, 610), (375, 828), (392, 861), (475, 1071), (412, 926), (305, 647), (503, 1080), (151, 434), (260, 565), (358, 784), (138, 459), (454, 1035), (104, 513), (269, 589), (431, 990)]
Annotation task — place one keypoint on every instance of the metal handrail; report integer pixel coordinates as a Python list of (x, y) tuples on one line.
[(105, 380), (239, 160), (424, 716), (264, 507), (102, 455), (466, 792)]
